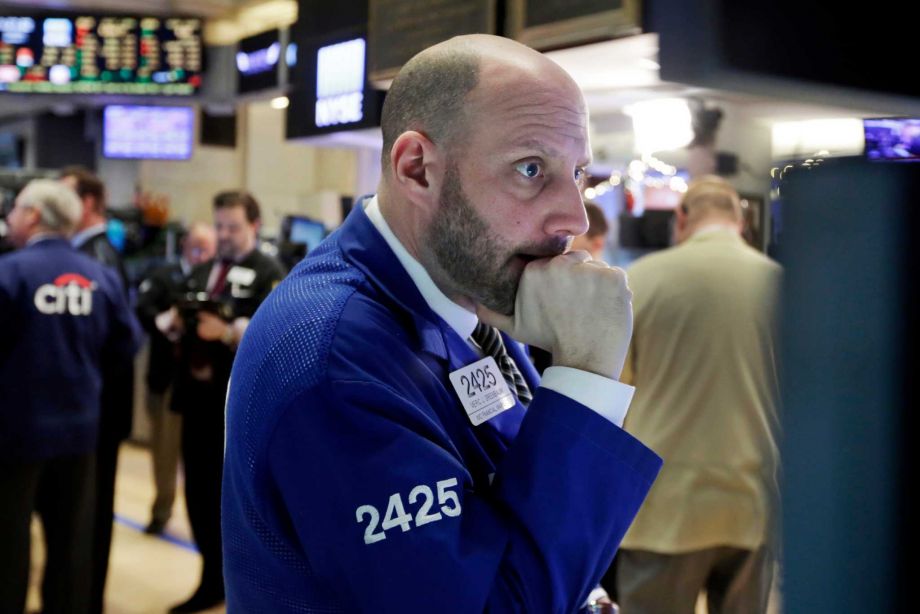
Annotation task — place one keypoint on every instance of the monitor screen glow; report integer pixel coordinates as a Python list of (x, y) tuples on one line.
[(892, 139), (340, 83), (306, 231), (147, 132), (83, 53)]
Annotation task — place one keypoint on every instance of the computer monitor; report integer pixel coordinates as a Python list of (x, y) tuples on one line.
[(148, 132), (892, 139), (303, 230)]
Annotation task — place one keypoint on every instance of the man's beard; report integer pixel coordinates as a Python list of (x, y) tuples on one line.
[(226, 251), (480, 264)]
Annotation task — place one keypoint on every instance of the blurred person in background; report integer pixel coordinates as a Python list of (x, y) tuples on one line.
[(595, 240), (90, 235), (156, 294), (221, 295), (703, 361), (6, 206), (65, 317), (118, 376)]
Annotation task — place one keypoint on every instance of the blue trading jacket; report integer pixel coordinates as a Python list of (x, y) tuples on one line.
[(354, 480), (63, 315)]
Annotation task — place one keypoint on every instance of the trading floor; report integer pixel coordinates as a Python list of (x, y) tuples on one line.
[(147, 574)]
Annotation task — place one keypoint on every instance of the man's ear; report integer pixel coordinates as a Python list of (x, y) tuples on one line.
[(680, 217), (597, 243), (416, 166), (680, 225), (31, 216), (89, 207)]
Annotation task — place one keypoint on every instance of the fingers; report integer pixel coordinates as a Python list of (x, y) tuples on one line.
[(204, 316), (583, 257), (577, 256)]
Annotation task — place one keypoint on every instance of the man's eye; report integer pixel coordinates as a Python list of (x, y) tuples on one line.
[(529, 169), (580, 174)]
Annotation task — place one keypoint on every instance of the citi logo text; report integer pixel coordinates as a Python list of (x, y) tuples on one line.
[(69, 293)]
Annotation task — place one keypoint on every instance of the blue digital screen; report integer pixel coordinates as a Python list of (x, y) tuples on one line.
[(145, 132), (307, 231), (892, 139)]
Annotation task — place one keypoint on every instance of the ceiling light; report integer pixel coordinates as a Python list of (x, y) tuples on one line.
[(660, 125)]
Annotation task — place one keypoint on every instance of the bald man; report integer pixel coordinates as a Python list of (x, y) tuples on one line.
[(157, 294), (388, 449), (703, 361)]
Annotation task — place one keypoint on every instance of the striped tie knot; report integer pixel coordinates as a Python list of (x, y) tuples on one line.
[(490, 342)]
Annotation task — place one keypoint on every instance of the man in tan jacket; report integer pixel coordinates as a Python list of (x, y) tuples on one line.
[(703, 362)]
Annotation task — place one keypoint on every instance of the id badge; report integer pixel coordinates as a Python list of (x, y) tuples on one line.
[(483, 391)]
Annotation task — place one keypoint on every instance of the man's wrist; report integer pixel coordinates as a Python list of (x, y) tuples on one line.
[(605, 366)]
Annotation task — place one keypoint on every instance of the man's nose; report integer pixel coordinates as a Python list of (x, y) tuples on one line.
[(567, 216)]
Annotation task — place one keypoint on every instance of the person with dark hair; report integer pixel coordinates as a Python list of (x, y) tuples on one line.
[(67, 318), (388, 448), (90, 234), (118, 376), (595, 239), (703, 360), (219, 298)]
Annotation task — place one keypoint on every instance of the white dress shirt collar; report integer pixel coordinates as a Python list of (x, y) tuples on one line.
[(607, 397), (461, 320), (43, 236), (714, 228), (85, 235)]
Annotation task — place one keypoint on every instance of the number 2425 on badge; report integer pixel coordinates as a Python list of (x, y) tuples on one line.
[(482, 390)]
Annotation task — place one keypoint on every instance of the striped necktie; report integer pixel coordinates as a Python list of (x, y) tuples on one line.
[(490, 342)]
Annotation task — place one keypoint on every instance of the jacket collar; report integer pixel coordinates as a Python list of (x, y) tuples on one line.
[(715, 232), (364, 246), (85, 236), (47, 240)]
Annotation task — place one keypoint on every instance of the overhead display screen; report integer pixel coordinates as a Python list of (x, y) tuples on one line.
[(98, 54), (895, 139), (335, 95), (144, 132)]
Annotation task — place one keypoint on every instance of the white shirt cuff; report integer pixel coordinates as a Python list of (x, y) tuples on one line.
[(597, 593), (603, 395)]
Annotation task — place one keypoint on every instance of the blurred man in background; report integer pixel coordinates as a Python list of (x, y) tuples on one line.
[(90, 234), (221, 295), (118, 376), (595, 240), (65, 318), (157, 293), (703, 360)]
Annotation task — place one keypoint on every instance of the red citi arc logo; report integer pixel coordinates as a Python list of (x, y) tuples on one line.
[(69, 293)]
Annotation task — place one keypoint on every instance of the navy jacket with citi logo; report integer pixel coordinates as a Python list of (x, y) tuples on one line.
[(62, 315)]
